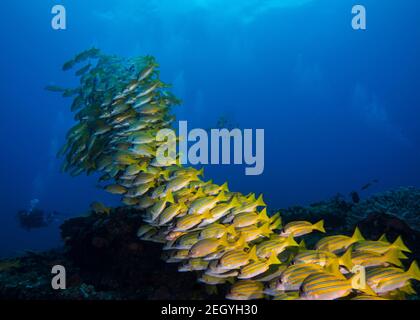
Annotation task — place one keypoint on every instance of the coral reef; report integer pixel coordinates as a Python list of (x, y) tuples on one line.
[(402, 203)]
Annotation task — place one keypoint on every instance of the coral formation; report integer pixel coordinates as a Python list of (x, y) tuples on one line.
[(402, 203)]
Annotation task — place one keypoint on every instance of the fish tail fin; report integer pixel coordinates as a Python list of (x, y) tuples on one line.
[(414, 271), (383, 238), (357, 236), (345, 260), (263, 216), (392, 256), (265, 230), (400, 245), (319, 226), (252, 255), (260, 201), (273, 259), (200, 172)]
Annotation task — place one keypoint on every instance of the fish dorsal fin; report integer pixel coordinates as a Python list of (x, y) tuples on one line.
[(225, 187), (357, 236), (383, 238), (345, 260), (319, 226), (399, 244), (260, 201), (263, 215)]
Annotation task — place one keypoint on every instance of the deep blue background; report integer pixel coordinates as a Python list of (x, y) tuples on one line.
[(340, 107)]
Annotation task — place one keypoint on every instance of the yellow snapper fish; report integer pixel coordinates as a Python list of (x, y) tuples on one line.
[(245, 219), (180, 182), (185, 242), (210, 280), (228, 274), (134, 169), (216, 231), (275, 246), (170, 213), (143, 150), (99, 207), (145, 202), (174, 235), (220, 211), (208, 246), (178, 256), (194, 265), (144, 178), (130, 201), (190, 221), (145, 228), (213, 189), (140, 190), (330, 286), (253, 232), (274, 272), (154, 212), (250, 206), (258, 267), (237, 258), (246, 290), (371, 259), (338, 243), (301, 228), (381, 246), (383, 280), (199, 206), (292, 278), (116, 189), (287, 296), (323, 258)]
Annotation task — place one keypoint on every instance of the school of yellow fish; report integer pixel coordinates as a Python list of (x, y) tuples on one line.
[(225, 236)]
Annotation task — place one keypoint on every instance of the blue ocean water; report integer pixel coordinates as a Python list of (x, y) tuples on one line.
[(339, 107)]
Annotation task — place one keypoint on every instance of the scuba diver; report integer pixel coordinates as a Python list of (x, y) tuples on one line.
[(35, 218)]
